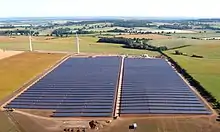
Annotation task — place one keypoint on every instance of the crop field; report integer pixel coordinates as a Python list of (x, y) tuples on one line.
[(87, 45), (101, 29), (172, 31), (146, 28), (20, 68), (205, 70), (146, 36)]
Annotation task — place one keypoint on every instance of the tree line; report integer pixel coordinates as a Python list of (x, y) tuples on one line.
[(18, 32), (61, 32), (175, 26), (132, 23), (135, 43), (7, 26)]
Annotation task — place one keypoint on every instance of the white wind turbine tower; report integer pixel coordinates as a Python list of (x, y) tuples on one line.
[(77, 43), (30, 41)]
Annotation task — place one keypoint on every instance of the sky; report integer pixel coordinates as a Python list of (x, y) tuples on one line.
[(138, 8)]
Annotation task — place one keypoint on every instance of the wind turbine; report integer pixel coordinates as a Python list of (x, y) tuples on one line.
[(30, 42), (77, 43)]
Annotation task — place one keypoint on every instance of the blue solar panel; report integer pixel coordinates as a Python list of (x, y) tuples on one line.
[(82, 115), (151, 86), (165, 112), (163, 108), (162, 98), (80, 85), (161, 104), (85, 111), (66, 95), (158, 96), (95, 105)]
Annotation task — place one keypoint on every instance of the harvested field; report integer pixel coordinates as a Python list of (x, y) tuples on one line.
[(20, 68), (146, 36)]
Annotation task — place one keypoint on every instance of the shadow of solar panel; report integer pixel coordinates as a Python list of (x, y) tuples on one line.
[(152, 86), (80, 85)]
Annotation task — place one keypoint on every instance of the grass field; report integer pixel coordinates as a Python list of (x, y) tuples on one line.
[(17, 70), (87, 45), (176, 42), (205, 70), (197, 35)]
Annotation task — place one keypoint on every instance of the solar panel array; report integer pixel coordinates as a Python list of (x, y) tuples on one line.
[(151, 86), (79, 87)]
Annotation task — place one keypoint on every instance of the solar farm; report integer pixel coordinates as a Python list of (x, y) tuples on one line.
[(111, 86)]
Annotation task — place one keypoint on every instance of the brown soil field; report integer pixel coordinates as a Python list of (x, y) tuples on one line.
[(170, 124), (145, 124), (146, 36)]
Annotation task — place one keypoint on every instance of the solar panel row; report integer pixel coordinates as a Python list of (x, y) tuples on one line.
[(151, 86), (78, 87), (86, 87)]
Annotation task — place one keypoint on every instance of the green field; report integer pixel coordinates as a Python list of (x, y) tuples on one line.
[(87, 45), (176, 42), (205, 70), (196, 35), (18, 69)]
